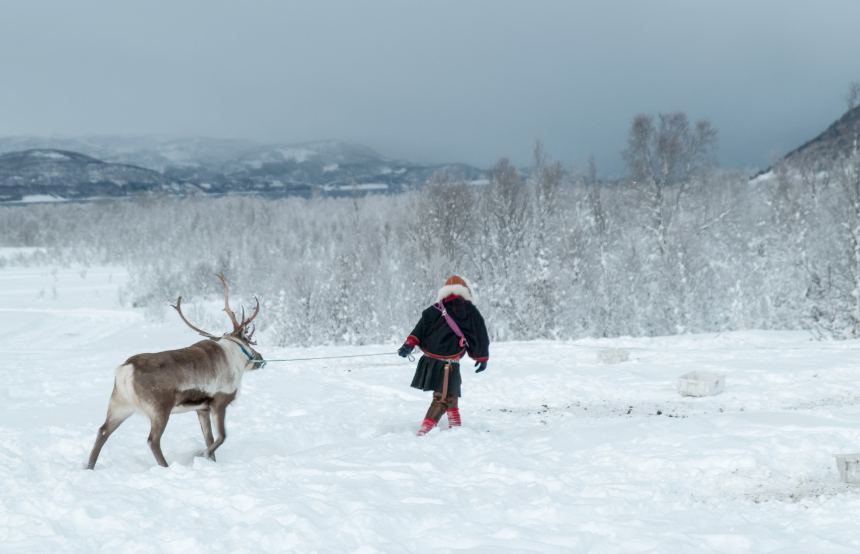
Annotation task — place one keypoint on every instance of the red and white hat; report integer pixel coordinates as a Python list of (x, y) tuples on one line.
[(458, 286)]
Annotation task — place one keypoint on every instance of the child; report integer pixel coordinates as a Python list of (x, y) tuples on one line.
[(444, 341)]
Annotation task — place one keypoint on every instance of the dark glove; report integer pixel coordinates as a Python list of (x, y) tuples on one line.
[(404, 351), (481, 366)]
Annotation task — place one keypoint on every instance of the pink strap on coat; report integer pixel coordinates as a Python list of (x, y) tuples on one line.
[(451, 323)]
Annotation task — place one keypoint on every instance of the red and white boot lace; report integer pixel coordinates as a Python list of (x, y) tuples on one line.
[(426, 426), (453, 417)]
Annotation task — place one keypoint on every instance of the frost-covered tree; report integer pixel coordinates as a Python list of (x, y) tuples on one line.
[(504, 209), (835, 277), (606, 285), (545, 262), (663, 158), (666, 158)]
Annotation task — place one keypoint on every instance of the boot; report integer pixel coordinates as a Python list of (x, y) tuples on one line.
[(426, 427), (453, 417)]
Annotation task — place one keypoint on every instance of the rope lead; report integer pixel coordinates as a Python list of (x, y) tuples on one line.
[(326, 358)]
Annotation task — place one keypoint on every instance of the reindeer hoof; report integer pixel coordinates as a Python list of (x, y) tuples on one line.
[(205, 454)]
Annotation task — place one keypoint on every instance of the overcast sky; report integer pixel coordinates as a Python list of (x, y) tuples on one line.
[(431, 81)]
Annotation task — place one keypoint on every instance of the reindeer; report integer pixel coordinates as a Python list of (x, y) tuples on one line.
[(204, 377)]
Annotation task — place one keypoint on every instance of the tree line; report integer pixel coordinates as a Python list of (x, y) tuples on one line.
[(678, 246)]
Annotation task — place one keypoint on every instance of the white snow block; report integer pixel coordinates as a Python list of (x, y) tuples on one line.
[(612, 356), (849, 467), (701, 383)]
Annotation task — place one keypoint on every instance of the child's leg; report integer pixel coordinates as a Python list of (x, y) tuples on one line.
[(438, 407), (453, 411)]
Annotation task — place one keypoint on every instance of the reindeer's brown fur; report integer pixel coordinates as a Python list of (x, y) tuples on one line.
[(162, 383), (204, 377), (168, 378)]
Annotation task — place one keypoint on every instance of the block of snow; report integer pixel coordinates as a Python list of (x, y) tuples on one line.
[(701, 383), (612, 356), (849, 467)]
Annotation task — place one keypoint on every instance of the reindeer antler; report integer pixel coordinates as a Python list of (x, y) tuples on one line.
[(178, 308), (227, 303), (245, 322)]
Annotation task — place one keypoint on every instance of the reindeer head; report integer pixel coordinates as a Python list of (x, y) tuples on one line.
[(239, 334)]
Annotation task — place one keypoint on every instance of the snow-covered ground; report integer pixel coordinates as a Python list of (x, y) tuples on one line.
[(557, 452)]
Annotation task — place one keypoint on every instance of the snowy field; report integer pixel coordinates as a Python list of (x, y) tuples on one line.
[(557, 454)]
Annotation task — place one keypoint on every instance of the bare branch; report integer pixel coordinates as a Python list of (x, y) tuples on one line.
[(716, 220)]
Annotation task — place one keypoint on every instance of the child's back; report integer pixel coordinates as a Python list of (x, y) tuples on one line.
[(445, 333)]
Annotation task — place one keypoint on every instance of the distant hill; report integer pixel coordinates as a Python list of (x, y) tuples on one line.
[(46, 173), (329, 167), (837, 139), (216, 166), (156, 153)]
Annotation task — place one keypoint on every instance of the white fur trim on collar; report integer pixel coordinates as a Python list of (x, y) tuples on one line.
[(456, 290)]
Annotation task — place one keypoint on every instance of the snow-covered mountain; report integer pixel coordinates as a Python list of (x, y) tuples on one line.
[(156, 153), (213, 165), (837, 139), (300, 168), (60, 174)]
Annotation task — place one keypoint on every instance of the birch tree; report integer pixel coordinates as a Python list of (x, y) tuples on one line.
[(664, 157)]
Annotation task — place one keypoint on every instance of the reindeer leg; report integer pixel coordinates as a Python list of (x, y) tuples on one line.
[(219, 412), (118, 411), (206, 426), (159, 423)]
